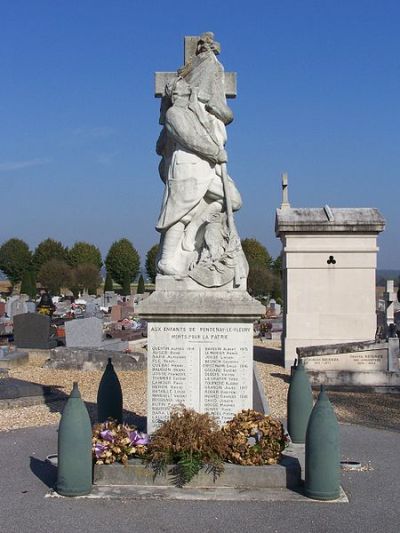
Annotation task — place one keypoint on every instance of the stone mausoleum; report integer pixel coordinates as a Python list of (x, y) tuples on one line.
[(329, 270)]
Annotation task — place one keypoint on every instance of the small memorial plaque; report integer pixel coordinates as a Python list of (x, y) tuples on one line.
[(351, 362), (207, 367)]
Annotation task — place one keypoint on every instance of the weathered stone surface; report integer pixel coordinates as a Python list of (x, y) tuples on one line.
[(84, 333), (319, 219), (207, 367), (13, 359), (204, 304), (358, 364), (329, 267), (86, 359), (198, 234), (284, 475), (18, 393), (200, 349)]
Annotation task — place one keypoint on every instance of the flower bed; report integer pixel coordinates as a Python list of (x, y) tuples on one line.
[(191, 443)]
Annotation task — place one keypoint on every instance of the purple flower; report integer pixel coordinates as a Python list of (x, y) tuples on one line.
[(138, 439), (107, 435), (99, 449)]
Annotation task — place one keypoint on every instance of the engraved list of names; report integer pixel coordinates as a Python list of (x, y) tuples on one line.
[(207, 367)]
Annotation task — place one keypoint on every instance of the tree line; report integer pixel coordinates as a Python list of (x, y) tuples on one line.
[(56, 266)]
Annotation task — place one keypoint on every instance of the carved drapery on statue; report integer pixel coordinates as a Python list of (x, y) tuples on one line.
[(198, 234)]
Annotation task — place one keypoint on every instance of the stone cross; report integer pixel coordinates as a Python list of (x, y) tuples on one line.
[(285, 194), (390, 297), (190, 44)]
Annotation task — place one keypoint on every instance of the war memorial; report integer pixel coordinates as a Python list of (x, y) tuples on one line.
[(199, 354)]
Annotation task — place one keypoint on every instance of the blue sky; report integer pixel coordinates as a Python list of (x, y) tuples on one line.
[(318, 97)]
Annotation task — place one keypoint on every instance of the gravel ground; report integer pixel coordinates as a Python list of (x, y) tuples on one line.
[(377, 410), (133, 386)]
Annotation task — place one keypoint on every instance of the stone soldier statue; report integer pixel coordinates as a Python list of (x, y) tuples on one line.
[(196, 239)]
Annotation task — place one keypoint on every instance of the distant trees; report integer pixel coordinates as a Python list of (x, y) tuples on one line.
[(123, 262), (108, 283), (151, 265), (85, 276), (141, 287), (256, 254), (85, 253), (55, 274), (28, 284), (264, 272), (55, 266), (48, 250), (85, 258), (15, 259), (126, 285)]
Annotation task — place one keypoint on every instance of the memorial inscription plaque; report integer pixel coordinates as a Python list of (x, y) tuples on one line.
[(207, 367), (351, 362)]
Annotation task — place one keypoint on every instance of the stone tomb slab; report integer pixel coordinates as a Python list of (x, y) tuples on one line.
[(201, 365), (366, 363), (350, 362)]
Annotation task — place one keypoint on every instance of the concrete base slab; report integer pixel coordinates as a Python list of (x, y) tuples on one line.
[(64, 358), (287, 474), (18, 393), (123, 492), (14, 359)]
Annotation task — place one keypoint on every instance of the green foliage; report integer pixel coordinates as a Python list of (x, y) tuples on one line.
[(151, 262), (188, 466), (260, 281), (141, 287), (277, 265), (256, 254), (33, 284), (86, 276), (28, 284), (108, 283), (264, 273), (48, 250), (126, 286), (55, 274), (122, 261), (190, 442), (85, 253), (15, 259)]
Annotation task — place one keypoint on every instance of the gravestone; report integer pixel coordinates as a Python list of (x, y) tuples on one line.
[(10, 304), (92, 309), (200, 316), (367, 363), (109, 299), (126, 311), (84, 333), (19, 306), (32, 330), (390, 297), (30, 307), (116, 313)]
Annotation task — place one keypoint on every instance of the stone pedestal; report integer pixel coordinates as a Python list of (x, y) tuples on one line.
[(200, 349)]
